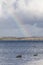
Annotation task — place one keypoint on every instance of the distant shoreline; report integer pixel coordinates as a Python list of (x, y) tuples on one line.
[(22, 38)]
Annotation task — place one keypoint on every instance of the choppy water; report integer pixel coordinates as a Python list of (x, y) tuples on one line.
[(10, 49)]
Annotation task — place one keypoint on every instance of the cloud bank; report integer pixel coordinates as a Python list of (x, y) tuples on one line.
[(30, 13)]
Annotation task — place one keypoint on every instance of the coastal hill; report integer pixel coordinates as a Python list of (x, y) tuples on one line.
[(22, 38)]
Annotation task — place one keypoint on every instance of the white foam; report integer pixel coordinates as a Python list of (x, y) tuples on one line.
[(40, 62)]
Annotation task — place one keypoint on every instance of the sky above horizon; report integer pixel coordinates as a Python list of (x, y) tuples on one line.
[(21, 18)]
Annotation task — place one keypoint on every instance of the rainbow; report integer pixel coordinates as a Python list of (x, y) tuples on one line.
[(20, 26), (19, 23)]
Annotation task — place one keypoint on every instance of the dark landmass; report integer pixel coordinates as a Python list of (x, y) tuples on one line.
[(23, 38)]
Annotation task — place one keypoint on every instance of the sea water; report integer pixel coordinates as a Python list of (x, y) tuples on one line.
[(9, 50)]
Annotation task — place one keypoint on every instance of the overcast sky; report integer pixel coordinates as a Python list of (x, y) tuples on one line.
[(21, 18)]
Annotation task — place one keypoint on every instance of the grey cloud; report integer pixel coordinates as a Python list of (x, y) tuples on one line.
[(27, 1), (8, 23), (10, 32), (30, 19), (9, 27), (40, 24), (33, 30), (15, 4)]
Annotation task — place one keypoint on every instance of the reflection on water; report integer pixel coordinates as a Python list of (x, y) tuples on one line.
[(9, 51)]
